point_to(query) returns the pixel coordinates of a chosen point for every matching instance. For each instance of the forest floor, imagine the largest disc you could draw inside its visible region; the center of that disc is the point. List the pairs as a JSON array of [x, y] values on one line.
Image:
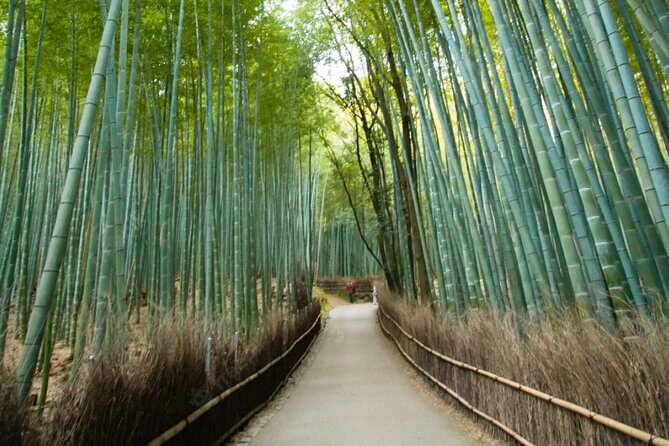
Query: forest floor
[[336, 301], [355, 388], [61, 359]]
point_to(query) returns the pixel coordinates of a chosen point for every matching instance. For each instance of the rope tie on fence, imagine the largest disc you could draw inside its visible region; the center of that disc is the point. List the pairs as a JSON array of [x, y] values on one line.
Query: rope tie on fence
[[602, 420]]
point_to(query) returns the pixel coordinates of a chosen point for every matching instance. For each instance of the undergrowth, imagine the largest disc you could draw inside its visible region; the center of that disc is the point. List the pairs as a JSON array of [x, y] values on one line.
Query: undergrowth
[[624, 376], [126, 398], [14, 420], [322, 298]]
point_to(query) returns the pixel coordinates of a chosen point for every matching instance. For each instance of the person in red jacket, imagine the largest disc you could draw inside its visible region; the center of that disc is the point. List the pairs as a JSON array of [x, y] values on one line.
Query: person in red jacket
[[350, 288]]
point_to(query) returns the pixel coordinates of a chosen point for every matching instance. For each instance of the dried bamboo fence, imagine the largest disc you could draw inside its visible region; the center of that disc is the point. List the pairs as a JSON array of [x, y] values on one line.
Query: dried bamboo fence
[[599, 419], [215, 421]]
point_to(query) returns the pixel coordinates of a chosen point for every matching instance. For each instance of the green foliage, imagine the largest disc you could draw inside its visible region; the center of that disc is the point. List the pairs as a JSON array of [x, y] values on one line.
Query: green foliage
[[529, 196], [201, 151], [319, 295]]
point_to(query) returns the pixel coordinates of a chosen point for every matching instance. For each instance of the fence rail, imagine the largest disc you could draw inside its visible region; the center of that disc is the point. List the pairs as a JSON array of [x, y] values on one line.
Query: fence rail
[[602, 420], [235, 406], [339, 285]]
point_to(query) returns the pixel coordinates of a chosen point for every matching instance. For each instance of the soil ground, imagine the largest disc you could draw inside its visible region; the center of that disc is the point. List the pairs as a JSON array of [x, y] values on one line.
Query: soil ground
[[336, 301], [61, 358], [355, 388]]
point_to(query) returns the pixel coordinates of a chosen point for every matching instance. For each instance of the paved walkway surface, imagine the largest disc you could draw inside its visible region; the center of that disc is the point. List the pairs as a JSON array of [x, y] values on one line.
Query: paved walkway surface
[[354, 388]]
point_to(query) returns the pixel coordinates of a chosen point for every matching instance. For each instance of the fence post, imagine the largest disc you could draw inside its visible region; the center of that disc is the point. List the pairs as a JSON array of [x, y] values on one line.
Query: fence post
[[235, 346], [207, 367]]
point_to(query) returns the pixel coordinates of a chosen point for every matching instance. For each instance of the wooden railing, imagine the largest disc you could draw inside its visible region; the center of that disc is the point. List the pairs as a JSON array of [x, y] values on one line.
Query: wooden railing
[[330, 285]]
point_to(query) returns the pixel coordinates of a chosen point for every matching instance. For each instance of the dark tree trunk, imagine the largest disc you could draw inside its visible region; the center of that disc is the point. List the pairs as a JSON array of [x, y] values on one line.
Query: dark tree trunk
[[417, 261]]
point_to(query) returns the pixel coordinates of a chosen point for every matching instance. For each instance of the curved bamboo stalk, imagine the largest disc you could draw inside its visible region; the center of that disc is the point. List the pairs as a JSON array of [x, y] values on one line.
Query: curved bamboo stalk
[[57, 245]]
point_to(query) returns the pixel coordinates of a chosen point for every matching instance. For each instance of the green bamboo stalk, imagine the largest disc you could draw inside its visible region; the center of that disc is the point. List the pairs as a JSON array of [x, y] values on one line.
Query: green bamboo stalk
[[56, 250], [167, 198], [15, 19]]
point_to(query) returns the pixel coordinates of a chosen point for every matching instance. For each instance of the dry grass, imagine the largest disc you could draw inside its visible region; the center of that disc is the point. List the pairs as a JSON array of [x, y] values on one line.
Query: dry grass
[[127, 399], [130, 398], [623, 376], [14, 420]]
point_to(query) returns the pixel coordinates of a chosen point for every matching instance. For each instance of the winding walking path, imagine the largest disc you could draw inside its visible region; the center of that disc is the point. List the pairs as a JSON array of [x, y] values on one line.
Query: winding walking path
[[355, 389]]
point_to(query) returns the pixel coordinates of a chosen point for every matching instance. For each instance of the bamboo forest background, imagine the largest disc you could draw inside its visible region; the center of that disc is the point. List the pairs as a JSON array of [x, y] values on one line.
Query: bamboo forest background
[[528, 147], [193, 159], [194, 185]]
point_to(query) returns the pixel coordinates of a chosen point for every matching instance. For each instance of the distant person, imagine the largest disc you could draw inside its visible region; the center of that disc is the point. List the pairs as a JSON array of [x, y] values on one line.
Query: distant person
[[350, 288], [375, 296]]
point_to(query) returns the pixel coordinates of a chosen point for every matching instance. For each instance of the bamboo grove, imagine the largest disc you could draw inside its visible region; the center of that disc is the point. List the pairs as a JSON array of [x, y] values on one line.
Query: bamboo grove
[[163, 159], [516, 151], [183, 183]]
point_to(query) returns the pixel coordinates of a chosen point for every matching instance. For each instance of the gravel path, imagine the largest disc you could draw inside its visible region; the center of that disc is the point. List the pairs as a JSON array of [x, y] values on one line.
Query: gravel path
[[355, 389]]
